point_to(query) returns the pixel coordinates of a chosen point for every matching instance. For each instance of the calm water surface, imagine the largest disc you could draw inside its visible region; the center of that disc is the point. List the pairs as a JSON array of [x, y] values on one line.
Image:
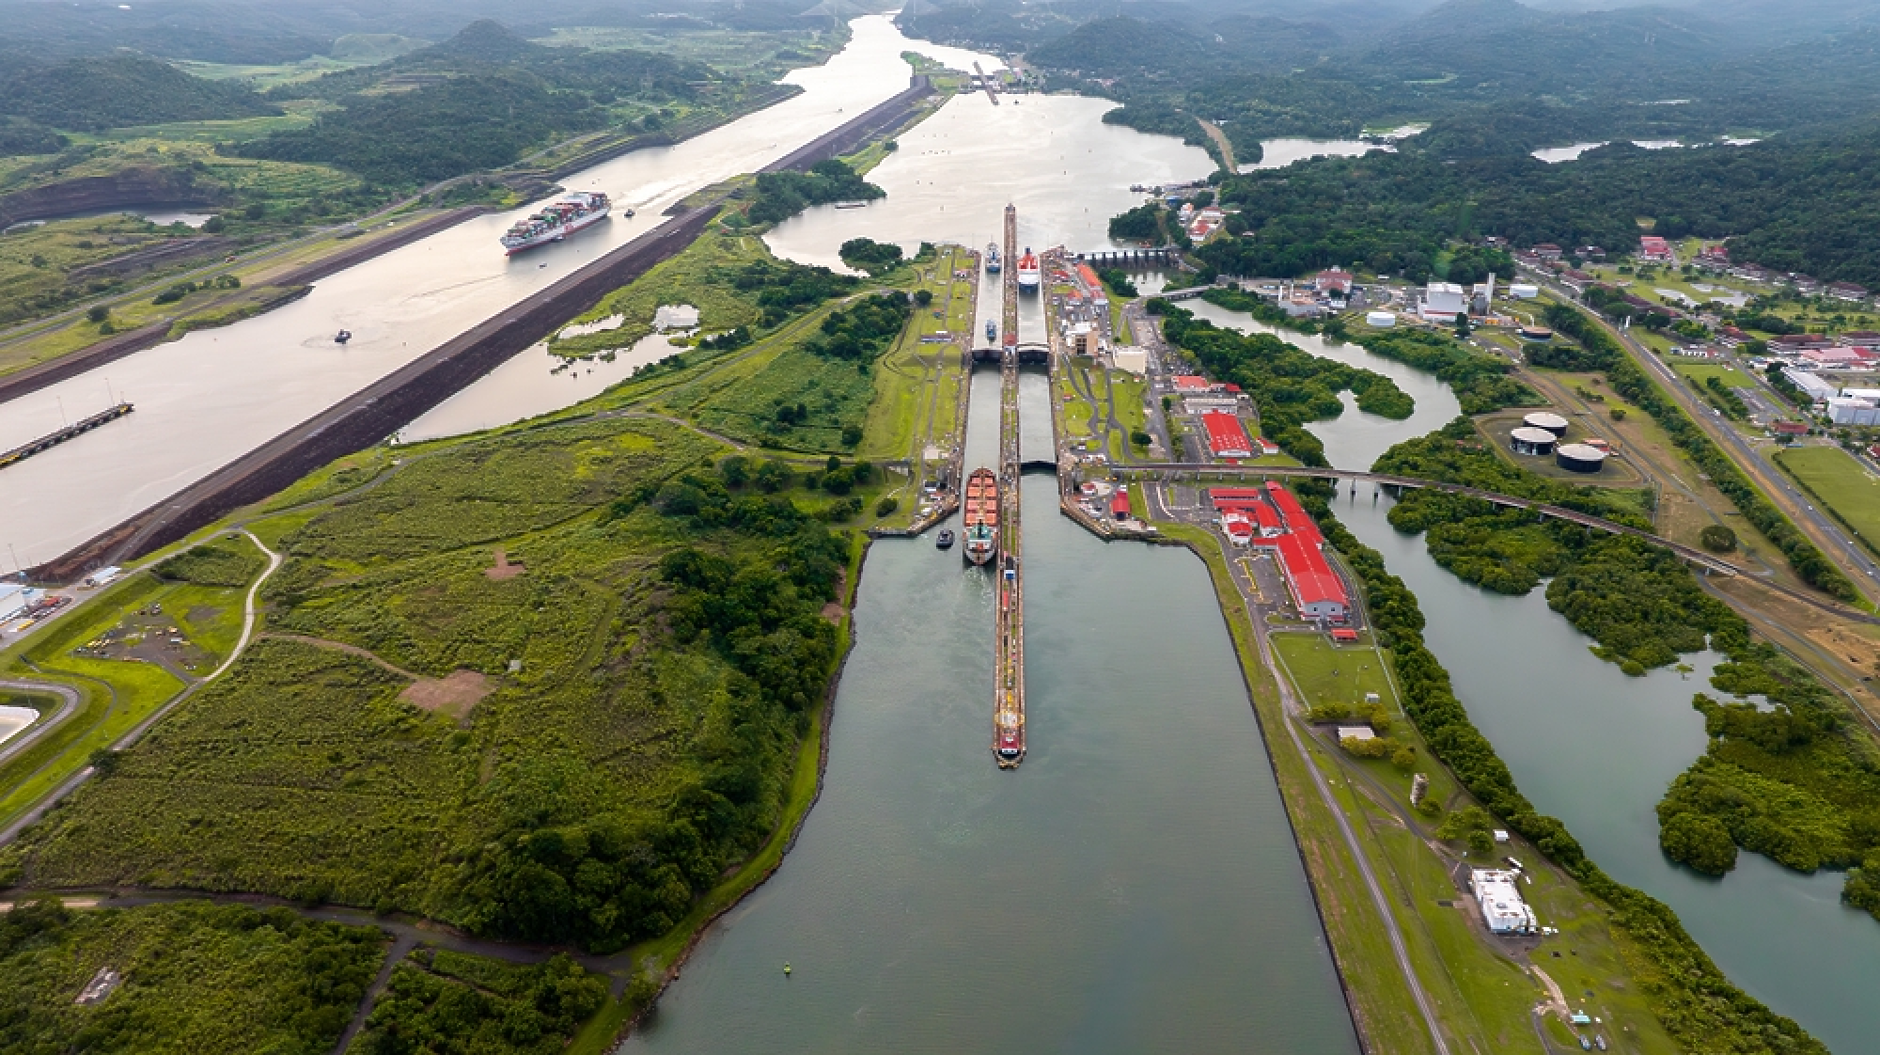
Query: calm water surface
[[1132, 887], [212, 396], [1598, 749]]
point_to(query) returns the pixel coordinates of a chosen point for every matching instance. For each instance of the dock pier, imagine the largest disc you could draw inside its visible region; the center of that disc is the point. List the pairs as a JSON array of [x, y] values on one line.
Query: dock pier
[[1008, 704], [53, 439]]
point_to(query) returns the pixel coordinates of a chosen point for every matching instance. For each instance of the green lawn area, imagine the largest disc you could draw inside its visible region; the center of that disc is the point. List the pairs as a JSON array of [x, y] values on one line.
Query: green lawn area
[[1700, 372], [118, 689], [1840, 482]]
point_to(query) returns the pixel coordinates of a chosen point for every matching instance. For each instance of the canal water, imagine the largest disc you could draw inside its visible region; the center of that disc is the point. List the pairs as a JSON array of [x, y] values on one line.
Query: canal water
[[212, 396], [1598, 749], [1132, 887]]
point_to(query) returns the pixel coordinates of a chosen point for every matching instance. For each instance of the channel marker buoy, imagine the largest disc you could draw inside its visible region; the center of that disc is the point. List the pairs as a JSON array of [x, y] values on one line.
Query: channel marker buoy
[[786, 968]]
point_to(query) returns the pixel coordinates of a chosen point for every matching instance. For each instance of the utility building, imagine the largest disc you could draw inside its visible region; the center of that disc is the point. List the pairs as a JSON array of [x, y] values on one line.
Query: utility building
[[1498, 893]]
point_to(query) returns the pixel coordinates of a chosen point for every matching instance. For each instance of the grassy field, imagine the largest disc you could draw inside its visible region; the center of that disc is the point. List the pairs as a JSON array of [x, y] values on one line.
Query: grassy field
[[698, 276], [1481, 983], [1839, 481], [1700, 372], [917, 385], [198, 979], [121, 652], [419, 697]]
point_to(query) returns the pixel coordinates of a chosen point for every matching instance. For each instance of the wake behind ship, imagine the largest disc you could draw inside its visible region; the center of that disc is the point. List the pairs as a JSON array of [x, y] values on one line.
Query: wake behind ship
[[981, 508], [556, 221]]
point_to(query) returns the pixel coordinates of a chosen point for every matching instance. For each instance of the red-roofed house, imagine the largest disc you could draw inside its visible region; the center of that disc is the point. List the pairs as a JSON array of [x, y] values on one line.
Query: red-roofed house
[[1191, 383], [1652, 247], [1119, 504], [1226, 435], [1334, 281]]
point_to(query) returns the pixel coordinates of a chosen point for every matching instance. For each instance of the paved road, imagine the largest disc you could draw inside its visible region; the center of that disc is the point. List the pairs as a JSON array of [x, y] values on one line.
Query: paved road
[[1290, 704], [1822, 529], [32, 816], [69, 700]]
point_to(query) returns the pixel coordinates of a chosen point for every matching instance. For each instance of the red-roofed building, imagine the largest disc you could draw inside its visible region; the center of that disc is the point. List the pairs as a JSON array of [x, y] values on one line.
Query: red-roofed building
[[1317, 590], [1226, 435], [1191, 383], [1119, 504], [1652, 247], [1238, 527], [1334, 281]]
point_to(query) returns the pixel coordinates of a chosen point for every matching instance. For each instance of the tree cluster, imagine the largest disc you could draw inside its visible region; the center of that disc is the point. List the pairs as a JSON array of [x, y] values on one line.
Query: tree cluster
[[781, 195], [863, 330], [1599, 350], [1289, 386]]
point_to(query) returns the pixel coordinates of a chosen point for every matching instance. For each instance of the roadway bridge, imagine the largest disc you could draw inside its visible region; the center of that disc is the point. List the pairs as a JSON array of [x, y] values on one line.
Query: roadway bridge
[[1132, 258], [1225, 472], [1184, 294]]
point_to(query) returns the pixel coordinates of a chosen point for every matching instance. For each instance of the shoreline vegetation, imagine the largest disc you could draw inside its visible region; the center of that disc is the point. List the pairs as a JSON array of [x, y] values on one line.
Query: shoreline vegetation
[[1703, 1009], [1733, 795], [704, 543], [267, 180]]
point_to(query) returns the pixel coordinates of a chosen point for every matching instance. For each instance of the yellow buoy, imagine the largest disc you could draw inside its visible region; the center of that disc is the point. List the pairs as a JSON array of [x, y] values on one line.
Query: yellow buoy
[[786, 968]]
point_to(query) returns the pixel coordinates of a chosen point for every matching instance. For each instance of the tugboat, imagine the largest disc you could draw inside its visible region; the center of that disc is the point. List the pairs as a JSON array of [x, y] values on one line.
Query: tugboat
[[342, 337], [982, 515], [992, 258], [945, 541]]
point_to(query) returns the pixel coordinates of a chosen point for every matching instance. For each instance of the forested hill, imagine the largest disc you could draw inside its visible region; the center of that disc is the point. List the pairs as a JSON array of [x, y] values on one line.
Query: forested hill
[[486, 46], [1799, 203], [86, 95], [478, 100]]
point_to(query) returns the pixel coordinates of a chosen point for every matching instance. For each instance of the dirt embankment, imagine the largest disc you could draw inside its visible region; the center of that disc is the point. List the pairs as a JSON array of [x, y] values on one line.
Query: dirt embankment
[[34, 378], [380, 409], [129, 188]]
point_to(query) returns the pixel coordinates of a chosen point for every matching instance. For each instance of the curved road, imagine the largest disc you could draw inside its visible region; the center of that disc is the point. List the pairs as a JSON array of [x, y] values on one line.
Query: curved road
[[30, 817], [1817, 525], [68, 696], [1289, 704]]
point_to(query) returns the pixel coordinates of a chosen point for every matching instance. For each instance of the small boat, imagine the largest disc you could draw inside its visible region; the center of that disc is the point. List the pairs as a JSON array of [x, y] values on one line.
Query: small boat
[[992, 259], [945, 541], [629, 214], [851, 205], [342, 337]]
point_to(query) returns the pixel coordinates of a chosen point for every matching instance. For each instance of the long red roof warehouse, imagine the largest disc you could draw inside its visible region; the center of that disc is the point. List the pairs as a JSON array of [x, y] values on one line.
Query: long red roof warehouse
[[1226, 435]]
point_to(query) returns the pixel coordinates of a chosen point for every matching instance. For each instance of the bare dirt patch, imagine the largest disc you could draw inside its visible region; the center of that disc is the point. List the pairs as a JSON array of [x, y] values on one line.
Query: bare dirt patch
[[453, 694], [504, 569]]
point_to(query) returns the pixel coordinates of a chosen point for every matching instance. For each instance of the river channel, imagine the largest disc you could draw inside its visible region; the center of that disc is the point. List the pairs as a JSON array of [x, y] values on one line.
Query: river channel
[[1597, 749], [216, 394]]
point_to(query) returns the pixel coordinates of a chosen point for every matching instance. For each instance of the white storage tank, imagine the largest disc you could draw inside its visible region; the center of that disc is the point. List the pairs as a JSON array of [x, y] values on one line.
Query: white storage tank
[[1526, 440], [1579, 458], [1383, 320], [1542, 419]]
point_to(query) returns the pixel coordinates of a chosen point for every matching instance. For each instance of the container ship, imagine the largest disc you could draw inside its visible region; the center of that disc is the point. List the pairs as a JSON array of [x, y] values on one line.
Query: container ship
[[556, 221], [1028, 270], [992, 259], [982, 516]]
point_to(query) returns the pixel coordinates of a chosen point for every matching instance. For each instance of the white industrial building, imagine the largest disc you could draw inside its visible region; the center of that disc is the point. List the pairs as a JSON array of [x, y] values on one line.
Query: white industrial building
[[1852, 410], [1443, 300], [13, 600], [1498, 891], [1811, 384]]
